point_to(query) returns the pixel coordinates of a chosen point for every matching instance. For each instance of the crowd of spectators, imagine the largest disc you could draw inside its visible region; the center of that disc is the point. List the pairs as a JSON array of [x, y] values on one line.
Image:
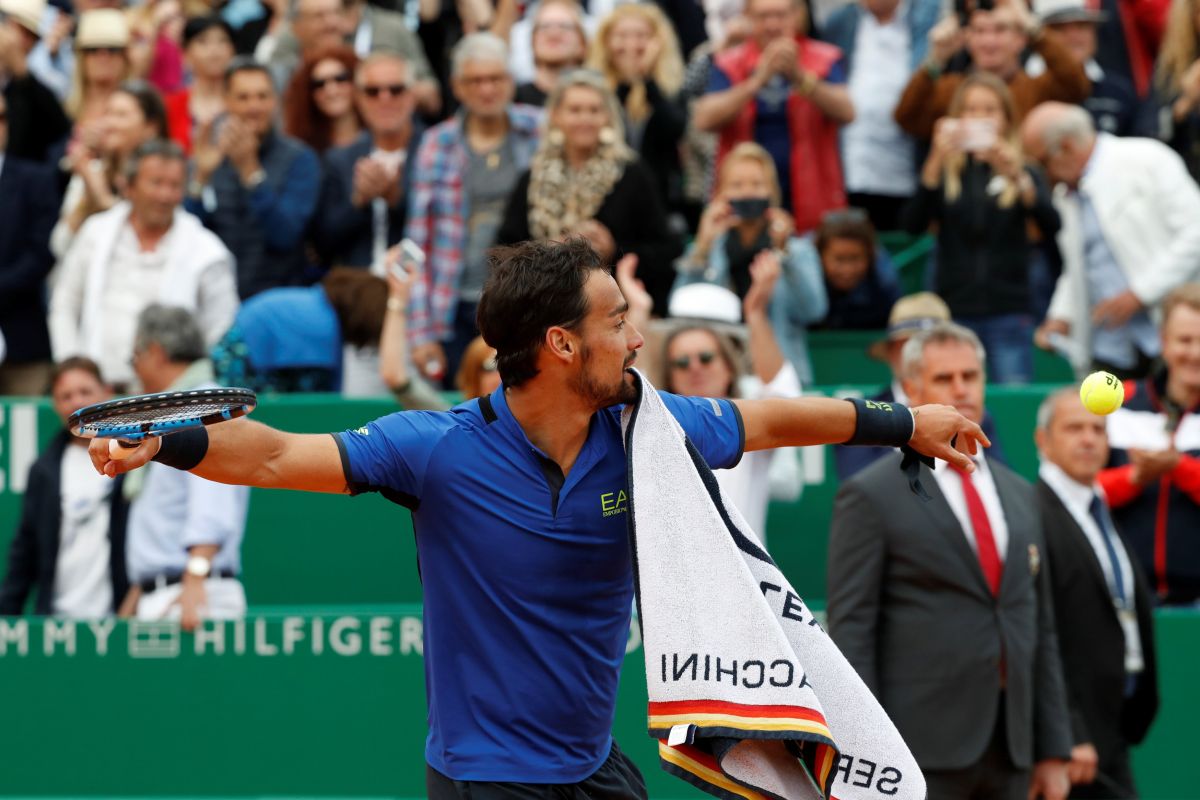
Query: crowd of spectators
[[253, 167], [315, 135]]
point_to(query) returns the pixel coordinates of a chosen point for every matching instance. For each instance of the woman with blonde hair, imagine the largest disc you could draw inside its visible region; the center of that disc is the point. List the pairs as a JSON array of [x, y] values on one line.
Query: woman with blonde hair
[[102, 63], [1177, 82], [637, 52], [743, 225], [584, 180], [982, 196]]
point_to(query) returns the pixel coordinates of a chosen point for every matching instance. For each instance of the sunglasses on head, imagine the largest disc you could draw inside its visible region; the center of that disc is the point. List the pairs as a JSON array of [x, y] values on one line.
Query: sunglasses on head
[[321, 83], [392, 89], [705, 358], [112, 51]]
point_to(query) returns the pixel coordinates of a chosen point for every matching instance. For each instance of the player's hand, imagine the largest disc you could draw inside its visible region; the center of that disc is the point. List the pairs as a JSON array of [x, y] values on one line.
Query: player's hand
[[935, 427], [102, 456], [1082, 766], [1049, 780], [191, 600]]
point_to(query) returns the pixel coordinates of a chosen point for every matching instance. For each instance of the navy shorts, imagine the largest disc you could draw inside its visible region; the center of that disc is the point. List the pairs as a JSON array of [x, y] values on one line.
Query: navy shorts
[[617, 779]]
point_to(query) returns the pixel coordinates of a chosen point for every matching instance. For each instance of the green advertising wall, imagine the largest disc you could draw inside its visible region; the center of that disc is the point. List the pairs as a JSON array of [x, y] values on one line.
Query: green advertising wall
[[297, 703]]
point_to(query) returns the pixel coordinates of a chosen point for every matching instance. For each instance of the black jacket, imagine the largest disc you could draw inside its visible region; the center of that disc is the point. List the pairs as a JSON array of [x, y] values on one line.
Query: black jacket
[[25, 257], [37, 123], [633, 215], [983, 249], [1091, 641], [33, 555], [659, 142]]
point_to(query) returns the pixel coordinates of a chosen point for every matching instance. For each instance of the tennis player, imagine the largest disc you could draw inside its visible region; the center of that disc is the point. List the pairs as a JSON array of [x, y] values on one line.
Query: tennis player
[[519, 506]]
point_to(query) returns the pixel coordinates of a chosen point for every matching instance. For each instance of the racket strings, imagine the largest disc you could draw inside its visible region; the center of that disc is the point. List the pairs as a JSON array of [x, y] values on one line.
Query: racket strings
[[139, 416]]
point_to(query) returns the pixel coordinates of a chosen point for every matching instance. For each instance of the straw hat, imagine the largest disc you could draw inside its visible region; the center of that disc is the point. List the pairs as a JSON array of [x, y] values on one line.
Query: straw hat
[[102, 27], [26, 13], [910, 314]]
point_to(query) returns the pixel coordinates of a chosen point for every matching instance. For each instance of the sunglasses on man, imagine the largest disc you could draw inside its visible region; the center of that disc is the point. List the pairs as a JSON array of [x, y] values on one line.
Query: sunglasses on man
[[391, 89]]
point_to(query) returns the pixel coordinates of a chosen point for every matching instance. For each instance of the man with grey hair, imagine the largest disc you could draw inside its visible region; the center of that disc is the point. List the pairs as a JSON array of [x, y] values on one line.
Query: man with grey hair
[[943, 606], [144, 249], [364, 193], [1128, 237], [466, 168], [183, 545], [1102, 602]]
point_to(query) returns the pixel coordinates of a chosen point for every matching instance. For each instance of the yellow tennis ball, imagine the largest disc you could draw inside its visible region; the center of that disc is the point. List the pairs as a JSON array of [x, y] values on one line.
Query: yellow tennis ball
[[1102, 393]]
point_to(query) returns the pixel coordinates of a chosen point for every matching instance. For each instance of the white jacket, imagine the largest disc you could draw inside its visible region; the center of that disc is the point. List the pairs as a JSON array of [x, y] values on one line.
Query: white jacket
[[199, 277], [1149, 209]]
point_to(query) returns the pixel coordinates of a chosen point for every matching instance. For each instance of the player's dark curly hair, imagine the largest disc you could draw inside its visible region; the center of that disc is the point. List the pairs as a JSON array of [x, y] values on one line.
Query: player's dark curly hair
[[532, 287]]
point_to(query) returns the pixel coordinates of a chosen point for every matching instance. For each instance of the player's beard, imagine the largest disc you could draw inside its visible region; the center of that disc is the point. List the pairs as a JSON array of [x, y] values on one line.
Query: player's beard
[[600, 393]]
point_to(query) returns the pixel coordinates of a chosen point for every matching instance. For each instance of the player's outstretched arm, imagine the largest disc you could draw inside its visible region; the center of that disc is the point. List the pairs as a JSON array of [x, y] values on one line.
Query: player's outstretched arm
[[248, 453], [776, 422]]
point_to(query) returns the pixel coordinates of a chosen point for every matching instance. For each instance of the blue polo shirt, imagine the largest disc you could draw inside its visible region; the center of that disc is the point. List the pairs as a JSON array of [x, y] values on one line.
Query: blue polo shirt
[[527, 577]]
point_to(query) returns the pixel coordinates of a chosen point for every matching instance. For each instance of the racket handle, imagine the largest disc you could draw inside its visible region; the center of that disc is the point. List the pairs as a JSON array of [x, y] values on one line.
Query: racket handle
[[119, 449]]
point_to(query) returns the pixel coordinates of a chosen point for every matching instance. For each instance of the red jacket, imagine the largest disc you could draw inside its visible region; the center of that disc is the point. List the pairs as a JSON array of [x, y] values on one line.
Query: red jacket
[[816, 179]]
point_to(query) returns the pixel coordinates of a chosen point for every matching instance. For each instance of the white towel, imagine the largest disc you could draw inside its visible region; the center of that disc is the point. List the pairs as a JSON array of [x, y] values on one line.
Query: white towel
[[749, 697]]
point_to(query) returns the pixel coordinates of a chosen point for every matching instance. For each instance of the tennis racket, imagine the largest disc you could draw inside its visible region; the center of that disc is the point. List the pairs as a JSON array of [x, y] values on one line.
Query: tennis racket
[[130, 420]]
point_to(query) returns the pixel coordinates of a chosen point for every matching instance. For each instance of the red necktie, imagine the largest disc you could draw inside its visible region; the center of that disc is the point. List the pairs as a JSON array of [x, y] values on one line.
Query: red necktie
[[985, 543]]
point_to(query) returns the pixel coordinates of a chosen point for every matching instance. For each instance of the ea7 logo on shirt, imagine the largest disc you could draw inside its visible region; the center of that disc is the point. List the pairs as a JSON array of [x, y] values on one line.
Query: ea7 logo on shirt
[[613, 503]]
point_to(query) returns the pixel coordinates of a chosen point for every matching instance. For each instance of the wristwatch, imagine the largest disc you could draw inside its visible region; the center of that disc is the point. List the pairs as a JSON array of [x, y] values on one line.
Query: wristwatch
[[198, 566]]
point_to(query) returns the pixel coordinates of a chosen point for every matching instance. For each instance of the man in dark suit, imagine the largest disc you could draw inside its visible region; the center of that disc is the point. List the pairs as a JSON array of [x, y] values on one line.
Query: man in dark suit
[[944, 606], [364, 193], [1101, 601], [70, 541], [31, 209]]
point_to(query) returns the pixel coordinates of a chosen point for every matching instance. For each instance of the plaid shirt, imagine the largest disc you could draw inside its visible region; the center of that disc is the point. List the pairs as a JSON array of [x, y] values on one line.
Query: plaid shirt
[[437, 216]]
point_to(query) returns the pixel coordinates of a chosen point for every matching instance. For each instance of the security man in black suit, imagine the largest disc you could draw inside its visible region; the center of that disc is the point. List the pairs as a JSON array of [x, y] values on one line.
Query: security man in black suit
[[943, 606], [1101, 601]]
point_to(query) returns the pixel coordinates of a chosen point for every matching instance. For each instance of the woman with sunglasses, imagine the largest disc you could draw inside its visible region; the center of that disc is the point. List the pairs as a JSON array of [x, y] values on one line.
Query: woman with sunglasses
[[318, 105], [700, 360], [743, 221], [207, 52]]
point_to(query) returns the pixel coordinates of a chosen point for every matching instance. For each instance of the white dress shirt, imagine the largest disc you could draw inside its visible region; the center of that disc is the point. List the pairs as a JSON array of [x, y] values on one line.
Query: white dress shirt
[[951, 485], [878, 157]]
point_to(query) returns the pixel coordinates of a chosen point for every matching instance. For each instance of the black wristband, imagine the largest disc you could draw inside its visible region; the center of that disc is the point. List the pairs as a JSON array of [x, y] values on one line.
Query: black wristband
[[881, 424], [183, 450]]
